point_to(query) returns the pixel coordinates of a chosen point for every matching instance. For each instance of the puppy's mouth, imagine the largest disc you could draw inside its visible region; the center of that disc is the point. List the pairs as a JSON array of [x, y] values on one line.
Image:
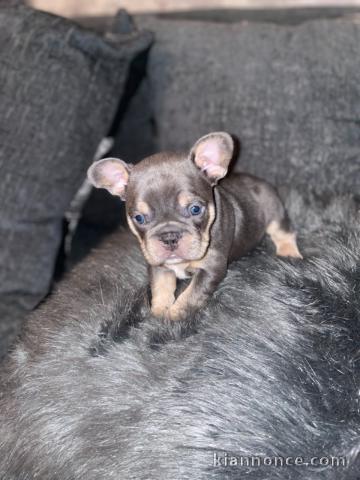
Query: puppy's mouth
[[172, 246], [173, 259]]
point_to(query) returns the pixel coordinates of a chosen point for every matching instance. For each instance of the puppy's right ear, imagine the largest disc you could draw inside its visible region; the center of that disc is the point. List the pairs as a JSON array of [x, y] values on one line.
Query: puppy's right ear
[[112, 174], [212, 155]]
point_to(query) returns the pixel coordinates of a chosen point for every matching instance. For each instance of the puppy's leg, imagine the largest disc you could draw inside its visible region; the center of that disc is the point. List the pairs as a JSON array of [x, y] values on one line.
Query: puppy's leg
[[283, 238], [163, 286], [278, 225], [203, 284]]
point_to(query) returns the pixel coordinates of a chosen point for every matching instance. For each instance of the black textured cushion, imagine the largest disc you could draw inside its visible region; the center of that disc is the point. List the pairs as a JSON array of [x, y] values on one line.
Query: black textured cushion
[[59, 89], [291, 93]]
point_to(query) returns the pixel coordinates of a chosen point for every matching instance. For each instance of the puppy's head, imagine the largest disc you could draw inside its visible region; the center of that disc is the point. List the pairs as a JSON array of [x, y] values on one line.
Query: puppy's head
[[169, 197]]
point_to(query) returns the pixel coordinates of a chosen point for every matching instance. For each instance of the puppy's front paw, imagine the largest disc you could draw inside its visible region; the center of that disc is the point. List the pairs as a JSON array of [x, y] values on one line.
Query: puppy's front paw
[[160, 310], [177, 311]]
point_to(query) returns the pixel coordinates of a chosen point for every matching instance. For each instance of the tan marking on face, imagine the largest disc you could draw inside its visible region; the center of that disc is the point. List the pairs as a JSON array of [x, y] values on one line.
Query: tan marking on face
[[285, 242], [205, 240], [189, 246], [212, 214], [141, 241], [163, 286], [133, 229], [184, 199], [143, 207]]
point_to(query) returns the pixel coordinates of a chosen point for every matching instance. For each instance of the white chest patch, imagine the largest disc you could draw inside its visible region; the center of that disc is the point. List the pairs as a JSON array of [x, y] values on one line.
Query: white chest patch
[[179, 269]]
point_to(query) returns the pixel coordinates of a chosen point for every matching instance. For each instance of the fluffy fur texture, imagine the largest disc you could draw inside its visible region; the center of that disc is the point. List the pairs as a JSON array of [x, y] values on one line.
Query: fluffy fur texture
[[97, 388]]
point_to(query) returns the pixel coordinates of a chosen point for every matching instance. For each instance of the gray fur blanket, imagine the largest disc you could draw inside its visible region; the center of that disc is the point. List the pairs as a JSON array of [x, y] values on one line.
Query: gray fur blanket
[[267, 373]]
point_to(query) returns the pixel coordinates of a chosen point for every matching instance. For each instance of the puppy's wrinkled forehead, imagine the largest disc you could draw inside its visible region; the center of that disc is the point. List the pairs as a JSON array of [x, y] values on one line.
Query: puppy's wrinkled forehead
[[164, 179]]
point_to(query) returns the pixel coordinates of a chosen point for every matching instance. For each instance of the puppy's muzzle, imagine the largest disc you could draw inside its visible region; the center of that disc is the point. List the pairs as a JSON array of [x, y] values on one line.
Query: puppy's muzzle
[[170, 239]]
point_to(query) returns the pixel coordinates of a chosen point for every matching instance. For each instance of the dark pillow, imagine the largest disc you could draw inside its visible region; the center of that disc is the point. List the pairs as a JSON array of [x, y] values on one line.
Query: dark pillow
[[291, 93], [59, 90]]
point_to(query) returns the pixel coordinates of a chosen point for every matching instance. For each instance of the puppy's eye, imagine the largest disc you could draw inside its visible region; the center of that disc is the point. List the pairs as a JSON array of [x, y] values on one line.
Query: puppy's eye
[[140, 219], [195, 209]]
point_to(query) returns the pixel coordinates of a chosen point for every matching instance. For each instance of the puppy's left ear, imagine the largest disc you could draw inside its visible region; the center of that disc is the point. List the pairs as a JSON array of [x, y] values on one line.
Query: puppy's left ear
[[212, 155]]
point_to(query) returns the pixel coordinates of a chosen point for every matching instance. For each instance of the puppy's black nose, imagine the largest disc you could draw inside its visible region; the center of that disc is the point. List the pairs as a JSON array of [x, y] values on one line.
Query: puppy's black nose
[[170, 239]]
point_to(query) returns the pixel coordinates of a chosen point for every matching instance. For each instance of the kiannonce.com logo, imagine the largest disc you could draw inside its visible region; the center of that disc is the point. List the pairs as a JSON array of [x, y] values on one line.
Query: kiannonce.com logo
[[225, 459]]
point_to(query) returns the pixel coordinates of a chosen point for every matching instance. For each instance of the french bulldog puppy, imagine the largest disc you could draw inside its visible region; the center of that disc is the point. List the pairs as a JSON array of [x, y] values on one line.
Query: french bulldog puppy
[[191, 221]]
